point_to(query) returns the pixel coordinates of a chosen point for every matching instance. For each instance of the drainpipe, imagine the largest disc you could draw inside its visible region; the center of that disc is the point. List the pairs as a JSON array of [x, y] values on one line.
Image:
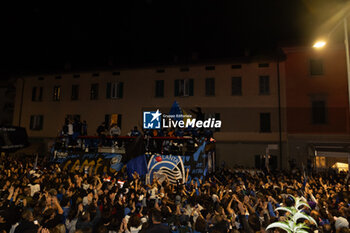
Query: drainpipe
[[279, 108], [21, 105]]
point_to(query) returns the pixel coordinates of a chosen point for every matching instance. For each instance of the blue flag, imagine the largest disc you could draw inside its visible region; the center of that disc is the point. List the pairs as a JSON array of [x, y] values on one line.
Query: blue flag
[[200, 150], [137, 164], [176, 111]]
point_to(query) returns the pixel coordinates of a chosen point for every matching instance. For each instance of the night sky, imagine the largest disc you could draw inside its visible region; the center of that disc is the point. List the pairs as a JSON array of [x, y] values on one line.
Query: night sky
[[43, 38]]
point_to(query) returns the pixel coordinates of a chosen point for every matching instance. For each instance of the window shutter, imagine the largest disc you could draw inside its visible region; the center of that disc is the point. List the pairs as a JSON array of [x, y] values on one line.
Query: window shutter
[[176, 89], [31, 122], [265, 122], [162, 88], [268, 84], [41, 121], [108, 91], [207, 86], [34, 94], [159, 88], [40, 98], [191, 83], [120, 89], [217, 117]]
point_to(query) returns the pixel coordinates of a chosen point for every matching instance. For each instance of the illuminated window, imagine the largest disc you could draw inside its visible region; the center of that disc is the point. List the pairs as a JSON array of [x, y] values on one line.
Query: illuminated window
[[57, 93]]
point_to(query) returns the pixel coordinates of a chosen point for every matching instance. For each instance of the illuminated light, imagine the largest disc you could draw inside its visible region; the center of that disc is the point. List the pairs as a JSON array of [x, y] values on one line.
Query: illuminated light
[[319, 44], [341, 167]]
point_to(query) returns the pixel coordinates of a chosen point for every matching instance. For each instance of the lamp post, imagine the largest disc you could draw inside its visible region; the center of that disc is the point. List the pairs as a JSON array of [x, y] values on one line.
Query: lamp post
[[322, 43], [346, 42]]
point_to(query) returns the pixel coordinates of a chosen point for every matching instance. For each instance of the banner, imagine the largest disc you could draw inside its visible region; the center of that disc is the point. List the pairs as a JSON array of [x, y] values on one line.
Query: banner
[[96, 162], [175, 166], [171, 166], [12, 138], [137, 164], [155, 165]]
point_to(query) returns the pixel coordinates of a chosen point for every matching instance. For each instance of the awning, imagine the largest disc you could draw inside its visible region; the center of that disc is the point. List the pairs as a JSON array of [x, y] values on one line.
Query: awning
[[331, 150], [34, 148]]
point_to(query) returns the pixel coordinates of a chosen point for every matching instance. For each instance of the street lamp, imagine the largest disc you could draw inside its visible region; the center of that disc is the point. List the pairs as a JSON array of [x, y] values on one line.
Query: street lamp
[[319, 44]]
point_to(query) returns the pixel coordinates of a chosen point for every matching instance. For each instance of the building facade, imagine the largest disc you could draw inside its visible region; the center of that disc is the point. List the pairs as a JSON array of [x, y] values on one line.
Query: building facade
[[7, 99], [243, 95], [317, 103]]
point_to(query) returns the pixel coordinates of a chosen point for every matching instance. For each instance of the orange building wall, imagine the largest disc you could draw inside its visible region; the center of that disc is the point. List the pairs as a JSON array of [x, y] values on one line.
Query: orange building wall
[[301, 85]]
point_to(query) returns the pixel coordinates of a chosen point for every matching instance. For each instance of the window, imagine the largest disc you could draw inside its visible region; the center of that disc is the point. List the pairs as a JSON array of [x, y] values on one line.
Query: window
[[263, 65], [34, 94], [184, 87], [58, 77], [37, 93], [210, 67], [76, 75], [217, 117], [116, 73], [56, 93], [115, 90], [113, 119], [265, 123], [159, 88], [95, 74], [210, 86], [236, 86], [264, 85], [107, 119], [75, 92], [319, 112], [316, 67], [73, 117], [236, 66], [94, 91], [260, 161], [184, 69], [36, 122]]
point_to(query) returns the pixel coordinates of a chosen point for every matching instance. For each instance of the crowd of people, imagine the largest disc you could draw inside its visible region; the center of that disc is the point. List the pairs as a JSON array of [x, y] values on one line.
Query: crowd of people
[[39, 197]]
